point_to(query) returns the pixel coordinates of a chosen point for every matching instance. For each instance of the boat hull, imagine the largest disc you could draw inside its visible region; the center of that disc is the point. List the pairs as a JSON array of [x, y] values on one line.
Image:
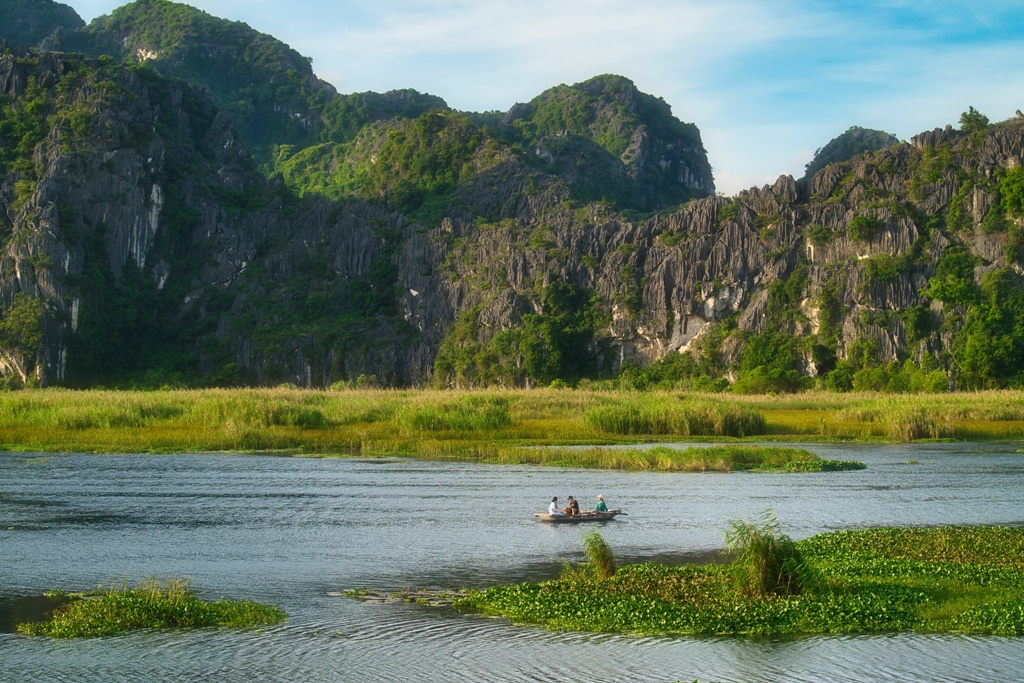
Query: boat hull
[[588, 516]]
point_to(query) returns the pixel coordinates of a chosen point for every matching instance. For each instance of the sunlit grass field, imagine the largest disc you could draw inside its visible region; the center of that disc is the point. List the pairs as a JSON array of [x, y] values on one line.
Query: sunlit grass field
[[477, 425]]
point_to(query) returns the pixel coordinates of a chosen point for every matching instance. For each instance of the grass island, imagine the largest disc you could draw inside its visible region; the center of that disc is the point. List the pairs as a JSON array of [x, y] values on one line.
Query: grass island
[[886, 580], [152, 604]]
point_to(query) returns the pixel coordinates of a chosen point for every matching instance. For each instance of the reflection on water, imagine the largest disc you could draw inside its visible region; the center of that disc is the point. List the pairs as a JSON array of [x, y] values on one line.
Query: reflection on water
[[290, 531]]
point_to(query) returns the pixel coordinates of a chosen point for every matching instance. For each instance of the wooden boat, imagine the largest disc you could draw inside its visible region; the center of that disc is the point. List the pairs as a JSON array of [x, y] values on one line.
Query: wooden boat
[[584, 516]]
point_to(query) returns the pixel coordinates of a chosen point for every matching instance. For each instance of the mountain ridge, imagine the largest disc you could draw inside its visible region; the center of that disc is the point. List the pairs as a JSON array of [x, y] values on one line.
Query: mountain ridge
[[575, 238]]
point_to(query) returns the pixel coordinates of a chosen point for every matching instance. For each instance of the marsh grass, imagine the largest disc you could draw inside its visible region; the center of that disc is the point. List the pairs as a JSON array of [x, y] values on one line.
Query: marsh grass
[[474, 425], [935, 580], [727, 458], [472, 413], [152, 604], [599, 555], [765, 560], [677, 418]]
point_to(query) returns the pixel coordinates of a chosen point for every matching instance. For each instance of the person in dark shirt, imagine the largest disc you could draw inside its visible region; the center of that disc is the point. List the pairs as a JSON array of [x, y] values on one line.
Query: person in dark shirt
[[573, 508]]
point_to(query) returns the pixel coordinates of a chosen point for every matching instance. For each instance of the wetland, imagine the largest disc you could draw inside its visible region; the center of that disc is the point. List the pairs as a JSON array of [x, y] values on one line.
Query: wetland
[[293, 532]]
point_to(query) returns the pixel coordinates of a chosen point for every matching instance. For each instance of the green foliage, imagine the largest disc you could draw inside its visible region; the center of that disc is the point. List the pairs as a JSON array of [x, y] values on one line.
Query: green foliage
[[420, 161], [865, 228], [727, 213], [26, 23], [554, 344], [885, 268], [920, 322], [989, 351], [599, 555], [973, 121], [854, 142], [959, 217], [346, 115], [732, 458], [667, 417], [819, 235], [674, 371], [153, 604], [953, 282], [473, 413], [937, 163], [894, 378], [269, 87], [766, 561], [967, 579], [1011, 191], [830, 312], [606, 109], [769, 365], [21, 326], [785, 296]]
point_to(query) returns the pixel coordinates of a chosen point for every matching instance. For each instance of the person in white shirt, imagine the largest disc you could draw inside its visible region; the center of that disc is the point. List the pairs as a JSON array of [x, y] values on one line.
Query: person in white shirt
[[553, 508]]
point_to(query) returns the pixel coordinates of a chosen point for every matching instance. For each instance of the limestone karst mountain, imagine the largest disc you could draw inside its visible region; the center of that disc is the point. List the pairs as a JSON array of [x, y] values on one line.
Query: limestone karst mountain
[[193, 206]]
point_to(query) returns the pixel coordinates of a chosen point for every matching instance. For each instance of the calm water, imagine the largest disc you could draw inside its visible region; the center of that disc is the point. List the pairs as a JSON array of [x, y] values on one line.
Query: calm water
[[290, 531]]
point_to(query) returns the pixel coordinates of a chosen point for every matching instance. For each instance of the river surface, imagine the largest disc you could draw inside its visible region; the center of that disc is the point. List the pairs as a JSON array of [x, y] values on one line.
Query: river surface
[[292, 531]]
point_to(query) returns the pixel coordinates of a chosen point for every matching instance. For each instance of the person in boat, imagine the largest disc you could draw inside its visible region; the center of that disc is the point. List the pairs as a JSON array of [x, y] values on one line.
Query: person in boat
[[553, 508], [573, 508], [600, 507]]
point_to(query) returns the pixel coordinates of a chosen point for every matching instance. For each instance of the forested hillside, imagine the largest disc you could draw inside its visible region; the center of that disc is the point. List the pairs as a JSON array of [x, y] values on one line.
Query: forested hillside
[[183, 202]]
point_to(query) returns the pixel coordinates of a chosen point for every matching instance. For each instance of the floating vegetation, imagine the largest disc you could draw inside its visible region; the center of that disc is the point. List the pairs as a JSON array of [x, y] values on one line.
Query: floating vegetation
[[153, 604], [936, 580], [428, 598]]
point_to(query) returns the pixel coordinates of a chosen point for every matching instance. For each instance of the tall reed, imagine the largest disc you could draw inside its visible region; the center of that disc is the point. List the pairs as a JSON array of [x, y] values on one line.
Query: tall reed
[[676, 418], [766, 561], [599, 555]]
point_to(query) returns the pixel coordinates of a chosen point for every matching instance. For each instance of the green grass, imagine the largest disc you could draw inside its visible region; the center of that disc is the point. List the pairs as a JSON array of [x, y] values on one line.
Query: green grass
[[153, 604], [937, 580], [491, 425], [767, 562], [728, 458], [599, 555]]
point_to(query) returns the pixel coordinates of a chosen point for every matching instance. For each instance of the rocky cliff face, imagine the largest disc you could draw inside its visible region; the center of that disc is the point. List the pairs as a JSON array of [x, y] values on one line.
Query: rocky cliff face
[[467, 251]]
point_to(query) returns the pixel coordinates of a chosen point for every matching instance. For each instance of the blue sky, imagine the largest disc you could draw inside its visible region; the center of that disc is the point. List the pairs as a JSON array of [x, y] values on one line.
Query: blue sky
[[767, 81]]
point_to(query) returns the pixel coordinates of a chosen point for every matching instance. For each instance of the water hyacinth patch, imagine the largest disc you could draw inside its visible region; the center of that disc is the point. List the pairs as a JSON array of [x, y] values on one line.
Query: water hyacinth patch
[[949, 579], [153, 604]]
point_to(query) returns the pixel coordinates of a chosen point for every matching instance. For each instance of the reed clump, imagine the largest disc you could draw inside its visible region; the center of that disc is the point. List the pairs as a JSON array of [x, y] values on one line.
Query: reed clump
[[676, 418], [599, 555], [153, 603], [472, 413], [766, 561]]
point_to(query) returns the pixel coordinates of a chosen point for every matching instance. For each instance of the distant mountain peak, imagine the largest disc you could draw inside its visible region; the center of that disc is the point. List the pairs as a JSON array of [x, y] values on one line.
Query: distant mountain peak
[[26, 23]]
